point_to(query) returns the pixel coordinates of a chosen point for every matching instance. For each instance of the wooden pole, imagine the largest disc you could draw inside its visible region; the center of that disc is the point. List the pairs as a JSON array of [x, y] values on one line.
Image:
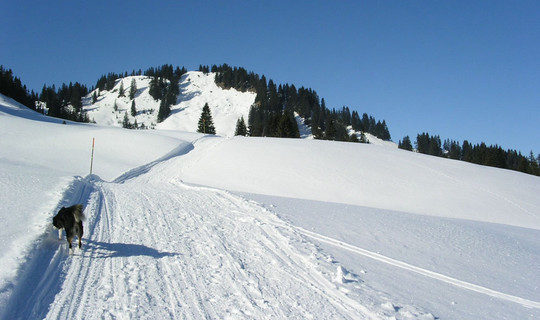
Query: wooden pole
[[92, 158]]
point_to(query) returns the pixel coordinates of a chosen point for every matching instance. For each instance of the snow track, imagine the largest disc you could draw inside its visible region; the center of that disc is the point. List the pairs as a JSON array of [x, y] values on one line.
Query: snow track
[[400, 264], [168, 250]]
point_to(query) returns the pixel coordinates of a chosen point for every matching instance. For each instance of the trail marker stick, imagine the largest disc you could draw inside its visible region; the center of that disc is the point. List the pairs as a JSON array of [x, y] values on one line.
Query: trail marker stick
[[92, 158]]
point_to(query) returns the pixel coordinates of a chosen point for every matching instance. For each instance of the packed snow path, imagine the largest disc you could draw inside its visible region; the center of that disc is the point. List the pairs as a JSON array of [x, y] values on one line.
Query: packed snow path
[[167, 250]]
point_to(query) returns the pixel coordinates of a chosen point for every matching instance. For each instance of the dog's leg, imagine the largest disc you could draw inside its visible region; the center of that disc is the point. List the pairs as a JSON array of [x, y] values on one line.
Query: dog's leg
[[59, 234], [69, 239], [80, 244]]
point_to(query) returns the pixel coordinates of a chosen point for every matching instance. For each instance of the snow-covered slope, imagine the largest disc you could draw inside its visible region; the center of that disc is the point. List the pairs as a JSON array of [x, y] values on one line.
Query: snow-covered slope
[[368, 175], [196, 89], [182, 225]]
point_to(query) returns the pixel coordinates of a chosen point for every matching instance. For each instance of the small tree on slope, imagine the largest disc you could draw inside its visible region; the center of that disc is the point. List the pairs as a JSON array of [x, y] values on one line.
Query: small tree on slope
[[241, 129], [206, 124]]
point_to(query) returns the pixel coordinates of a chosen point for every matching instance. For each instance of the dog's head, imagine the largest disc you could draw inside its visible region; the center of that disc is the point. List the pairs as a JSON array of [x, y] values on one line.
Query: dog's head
[[58, 220]]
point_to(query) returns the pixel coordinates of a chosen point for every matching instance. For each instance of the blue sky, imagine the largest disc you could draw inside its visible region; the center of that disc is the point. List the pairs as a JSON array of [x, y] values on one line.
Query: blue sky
[[459, 69]]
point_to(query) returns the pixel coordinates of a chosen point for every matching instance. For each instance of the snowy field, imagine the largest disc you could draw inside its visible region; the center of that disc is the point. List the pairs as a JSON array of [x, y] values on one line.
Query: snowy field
[[185, 226]]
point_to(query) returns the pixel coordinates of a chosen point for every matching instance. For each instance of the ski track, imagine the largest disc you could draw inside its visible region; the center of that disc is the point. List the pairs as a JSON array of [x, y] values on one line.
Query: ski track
[[156, 248], [174, 251], [453, 281]]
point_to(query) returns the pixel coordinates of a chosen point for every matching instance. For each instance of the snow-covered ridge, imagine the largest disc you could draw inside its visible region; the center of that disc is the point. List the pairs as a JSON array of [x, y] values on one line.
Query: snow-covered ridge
[[196, 89]]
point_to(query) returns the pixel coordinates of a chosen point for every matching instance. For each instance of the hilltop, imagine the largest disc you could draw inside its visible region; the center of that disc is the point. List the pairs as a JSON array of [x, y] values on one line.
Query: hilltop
[[196, 89]]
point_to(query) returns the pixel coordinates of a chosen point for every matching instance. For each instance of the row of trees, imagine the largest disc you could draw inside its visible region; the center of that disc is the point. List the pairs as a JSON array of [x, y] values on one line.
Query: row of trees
[[167, 71], [66, 102], [273, 113], [482, 154], [164, 86], [12, 86]]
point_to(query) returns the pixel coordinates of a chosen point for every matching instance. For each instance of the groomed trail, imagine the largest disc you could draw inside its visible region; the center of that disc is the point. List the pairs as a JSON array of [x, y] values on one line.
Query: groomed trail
[[157, 248]]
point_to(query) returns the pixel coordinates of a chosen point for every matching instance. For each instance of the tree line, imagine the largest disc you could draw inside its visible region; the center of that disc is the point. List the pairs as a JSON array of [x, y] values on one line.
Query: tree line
[[493, 155], [11, 86], [273, 113]]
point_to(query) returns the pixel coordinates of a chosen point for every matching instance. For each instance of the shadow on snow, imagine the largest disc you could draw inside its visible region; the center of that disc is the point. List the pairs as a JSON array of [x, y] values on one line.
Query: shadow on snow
[[98, 249]]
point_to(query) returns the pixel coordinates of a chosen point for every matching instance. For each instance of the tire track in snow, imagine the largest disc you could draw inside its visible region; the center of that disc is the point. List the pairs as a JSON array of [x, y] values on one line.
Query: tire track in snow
[[431, 274]]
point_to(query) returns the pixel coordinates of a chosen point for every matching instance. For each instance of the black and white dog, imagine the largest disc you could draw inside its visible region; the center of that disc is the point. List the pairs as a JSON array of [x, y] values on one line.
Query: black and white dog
[[70, 219]]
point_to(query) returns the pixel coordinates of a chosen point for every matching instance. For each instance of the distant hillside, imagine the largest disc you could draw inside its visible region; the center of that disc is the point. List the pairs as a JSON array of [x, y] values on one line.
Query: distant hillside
[[196, 89], [172, 99]]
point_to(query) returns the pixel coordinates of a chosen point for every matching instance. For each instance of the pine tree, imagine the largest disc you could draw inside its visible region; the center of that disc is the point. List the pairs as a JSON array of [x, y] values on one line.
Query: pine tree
[[94, 97], [405, 144], [133, 89], [125, 123], [255, 121], [133, 109], [155, 88], [75, 98], [164, 110], [206, 124], [121, 91], [241, 129], [287, 126]]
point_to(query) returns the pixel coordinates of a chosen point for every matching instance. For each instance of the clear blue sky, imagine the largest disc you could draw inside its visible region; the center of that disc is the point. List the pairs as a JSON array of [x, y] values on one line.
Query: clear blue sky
[[459, 69]]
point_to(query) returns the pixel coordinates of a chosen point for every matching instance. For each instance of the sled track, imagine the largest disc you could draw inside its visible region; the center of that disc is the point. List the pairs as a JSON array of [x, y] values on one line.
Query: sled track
[[434, 275]]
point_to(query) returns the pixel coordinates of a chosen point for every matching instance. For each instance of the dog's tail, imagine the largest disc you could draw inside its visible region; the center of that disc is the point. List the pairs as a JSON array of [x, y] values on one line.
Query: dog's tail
[[78, 213]]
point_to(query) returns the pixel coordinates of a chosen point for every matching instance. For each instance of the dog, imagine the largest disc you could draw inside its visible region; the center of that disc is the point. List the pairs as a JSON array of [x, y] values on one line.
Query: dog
[[71, 220]]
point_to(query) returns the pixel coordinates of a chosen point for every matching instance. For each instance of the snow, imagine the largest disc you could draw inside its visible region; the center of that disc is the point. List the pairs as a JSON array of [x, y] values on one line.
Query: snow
[[196, 89], [183, 225]]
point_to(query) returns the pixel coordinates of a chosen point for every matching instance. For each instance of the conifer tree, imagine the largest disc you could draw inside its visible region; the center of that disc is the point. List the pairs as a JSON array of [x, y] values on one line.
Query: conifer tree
[[133, 109], [155, 88], [241, 129], [287, 126], [121, 91], [133, 89], [75, 98], [206, 123], [405, 144], [164, 110], [125, 123]]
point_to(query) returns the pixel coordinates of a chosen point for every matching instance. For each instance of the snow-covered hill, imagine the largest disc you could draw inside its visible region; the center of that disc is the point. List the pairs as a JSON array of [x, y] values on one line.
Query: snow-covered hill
[[182, 225], [196, 89]]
